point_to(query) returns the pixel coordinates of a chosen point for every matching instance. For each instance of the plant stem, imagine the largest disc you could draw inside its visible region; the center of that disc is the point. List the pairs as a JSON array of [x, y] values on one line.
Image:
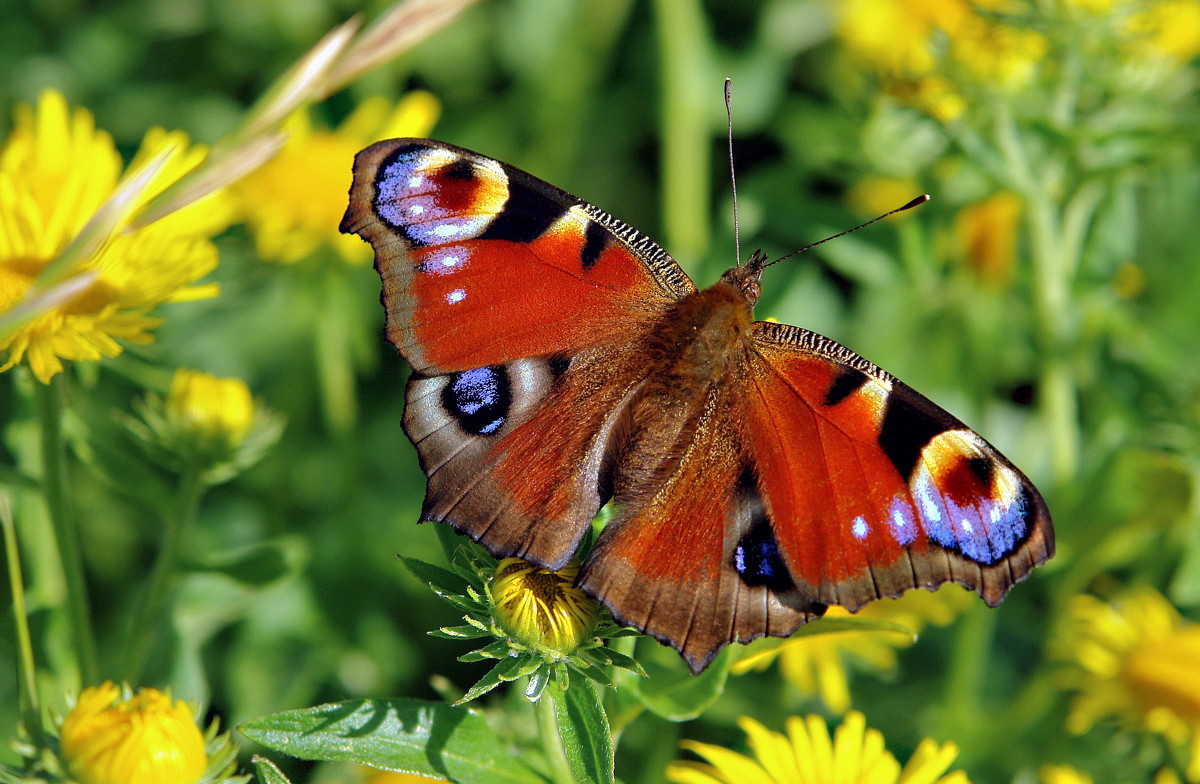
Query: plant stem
[[31, 709], [683, 65], [331, 343], [50, 402], [191, 488], [556, 756], [967, 670]]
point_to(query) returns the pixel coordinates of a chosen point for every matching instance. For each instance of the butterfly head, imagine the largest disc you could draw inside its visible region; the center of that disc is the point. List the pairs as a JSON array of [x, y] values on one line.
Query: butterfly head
[[745, 277]]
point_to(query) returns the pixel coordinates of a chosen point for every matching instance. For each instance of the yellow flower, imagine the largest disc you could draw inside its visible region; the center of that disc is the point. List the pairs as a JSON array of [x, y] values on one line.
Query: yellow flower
[[1062, 774], [807, 755], [146, 738], [218, 411], [998, 55], [935, 95], [987, 236], [293, 204], [542, 609], [898, 37], [1170, 29], [56, 170], [1137, 660], [816, 664], [873, 196]]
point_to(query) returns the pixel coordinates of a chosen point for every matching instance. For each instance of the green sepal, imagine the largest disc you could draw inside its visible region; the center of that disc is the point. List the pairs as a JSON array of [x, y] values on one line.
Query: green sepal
[[267, 772]]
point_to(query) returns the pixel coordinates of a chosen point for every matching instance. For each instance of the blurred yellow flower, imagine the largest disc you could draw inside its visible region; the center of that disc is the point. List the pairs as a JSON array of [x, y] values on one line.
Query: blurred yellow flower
[[1170, 28], [542, 609], [293, 203], [873, 196], [146, 738], [986, 234], [1135, 659], [1062, 774], [817, 664], [56, 170], [997, 54], [210, 409], [807, 755], [896, 37], [206, 424]]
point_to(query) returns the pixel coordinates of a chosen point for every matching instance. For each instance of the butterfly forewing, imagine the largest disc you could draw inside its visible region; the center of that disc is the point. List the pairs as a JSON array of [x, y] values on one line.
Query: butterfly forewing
[[482, 264]]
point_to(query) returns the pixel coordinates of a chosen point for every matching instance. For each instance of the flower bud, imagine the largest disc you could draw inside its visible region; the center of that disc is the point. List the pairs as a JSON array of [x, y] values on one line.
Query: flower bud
[[146, 738]]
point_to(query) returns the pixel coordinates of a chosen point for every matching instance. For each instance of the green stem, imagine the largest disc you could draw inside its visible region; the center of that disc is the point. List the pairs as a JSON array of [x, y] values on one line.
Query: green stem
[[687, 91], [50, 402], [331, 342], [31, 709], [191, 489], [967, 670], [556, 756]]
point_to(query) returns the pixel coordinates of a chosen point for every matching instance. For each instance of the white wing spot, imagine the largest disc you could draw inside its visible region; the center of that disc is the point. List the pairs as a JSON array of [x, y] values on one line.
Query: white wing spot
[[456, 296], [859, 528]]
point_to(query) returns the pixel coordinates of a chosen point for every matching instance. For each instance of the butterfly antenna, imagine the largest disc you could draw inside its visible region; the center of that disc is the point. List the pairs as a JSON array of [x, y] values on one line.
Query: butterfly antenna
[[737, 241], [917, 202]]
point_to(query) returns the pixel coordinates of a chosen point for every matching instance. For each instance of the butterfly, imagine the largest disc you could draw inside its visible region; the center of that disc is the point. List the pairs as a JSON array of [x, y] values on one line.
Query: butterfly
[[760, 472]]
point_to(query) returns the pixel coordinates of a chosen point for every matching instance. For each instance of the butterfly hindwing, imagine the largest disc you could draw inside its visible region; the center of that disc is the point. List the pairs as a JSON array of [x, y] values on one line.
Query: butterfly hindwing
[[514, 452]]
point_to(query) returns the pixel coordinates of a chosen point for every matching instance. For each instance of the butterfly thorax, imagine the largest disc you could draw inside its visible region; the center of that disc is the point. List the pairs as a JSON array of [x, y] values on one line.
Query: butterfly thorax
[[697, 351]]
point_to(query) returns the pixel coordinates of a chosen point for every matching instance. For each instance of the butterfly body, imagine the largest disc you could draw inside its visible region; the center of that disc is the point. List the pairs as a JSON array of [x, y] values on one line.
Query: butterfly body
[[759, 471]]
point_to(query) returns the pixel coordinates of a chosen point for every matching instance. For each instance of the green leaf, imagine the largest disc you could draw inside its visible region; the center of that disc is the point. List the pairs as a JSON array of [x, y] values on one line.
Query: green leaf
[[672, 692], [267, 772], [584, 732], [443, 581], [260, 564], [409, 736]]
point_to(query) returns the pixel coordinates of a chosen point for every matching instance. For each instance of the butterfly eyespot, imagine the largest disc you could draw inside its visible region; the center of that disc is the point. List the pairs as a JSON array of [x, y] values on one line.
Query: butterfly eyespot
[[431, 196], [757, 559], [479, 399], [558, 365]]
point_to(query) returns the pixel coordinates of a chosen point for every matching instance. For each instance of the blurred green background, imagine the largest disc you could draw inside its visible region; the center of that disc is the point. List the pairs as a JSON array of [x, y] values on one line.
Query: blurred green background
[[294, 595]]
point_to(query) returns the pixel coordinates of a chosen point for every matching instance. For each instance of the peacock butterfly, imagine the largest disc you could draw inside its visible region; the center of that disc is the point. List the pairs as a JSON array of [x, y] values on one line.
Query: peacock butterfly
[[760, 472]]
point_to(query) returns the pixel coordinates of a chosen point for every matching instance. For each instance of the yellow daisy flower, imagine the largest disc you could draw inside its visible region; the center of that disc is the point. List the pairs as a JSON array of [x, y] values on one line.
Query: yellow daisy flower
[[817, 664], [56, 171], [293, 203], [1137, 660], [541, 608], [146, 738], [807, 755]]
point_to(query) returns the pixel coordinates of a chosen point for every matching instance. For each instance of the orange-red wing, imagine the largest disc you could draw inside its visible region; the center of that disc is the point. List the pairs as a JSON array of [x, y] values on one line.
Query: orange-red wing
[[667, 563], [871, 489], [482, 263]]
